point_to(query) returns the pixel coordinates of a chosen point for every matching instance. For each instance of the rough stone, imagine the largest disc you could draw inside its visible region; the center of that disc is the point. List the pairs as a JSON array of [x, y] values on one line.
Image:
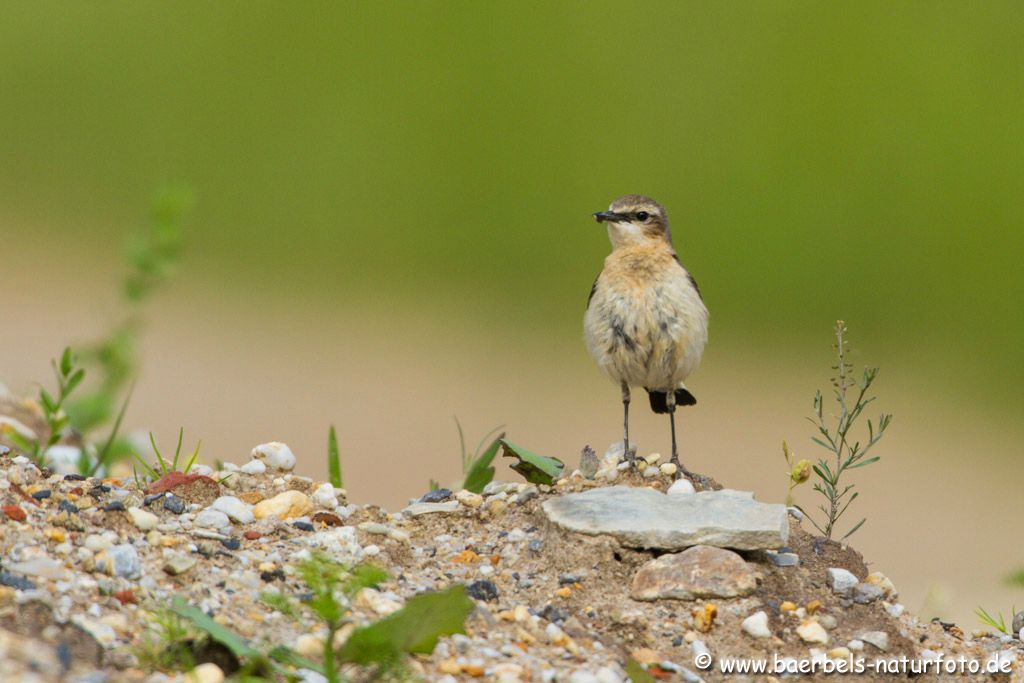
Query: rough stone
[[276, 455], [177, 564], [646, 518], [417, 509], [143, 519], [879, 639], [841, 581], [234, 508], [866, 593], [284, 505], [699, 572], [211, 519], [757, 625], [811, 631]]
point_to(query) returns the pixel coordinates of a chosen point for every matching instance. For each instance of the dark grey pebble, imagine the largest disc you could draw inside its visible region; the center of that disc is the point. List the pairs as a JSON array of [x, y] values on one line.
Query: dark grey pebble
[[174, 505], [231, 543], [677, 641], [98, 491], [114, 506], [304, 526], [152, 498], [483, 590], [276, 575], [554, 614], [436, 496], [15, 581], [42, 495], [74, 476], [780, 559], [67, 506], [568, 579]]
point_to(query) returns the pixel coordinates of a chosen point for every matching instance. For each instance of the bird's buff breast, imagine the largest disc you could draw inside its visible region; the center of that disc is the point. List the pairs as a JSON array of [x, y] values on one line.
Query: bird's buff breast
[[646, 323]]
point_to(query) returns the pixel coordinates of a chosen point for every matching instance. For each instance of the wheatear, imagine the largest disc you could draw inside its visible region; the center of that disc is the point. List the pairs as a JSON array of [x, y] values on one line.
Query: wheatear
[[646, 323]]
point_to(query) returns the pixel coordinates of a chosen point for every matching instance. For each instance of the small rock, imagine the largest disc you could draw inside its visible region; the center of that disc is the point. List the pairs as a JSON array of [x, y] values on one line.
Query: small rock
[[284, 505], [841, 581], [42, 495], [469, 499], [651, 471], [40, 567], [276, 454], [231, 543], [882, 581], [436, 496], [192, 487], [234, 508], [205, 673], [68, 507], [325, 497], [17, 582], [698, 572], [417, 509], [483, 590], [879, 639], [120, 560], [783, 559], [757, 625], [827, 621], [173, 504], [866, 593], [304, 526], [1018, 622], [114, 506], [177, 564], [144, 520], [810, 631], [669, 469], [589, 463], [253, 467], [839, 653], [211, 519], [14, 512], [855, 645]]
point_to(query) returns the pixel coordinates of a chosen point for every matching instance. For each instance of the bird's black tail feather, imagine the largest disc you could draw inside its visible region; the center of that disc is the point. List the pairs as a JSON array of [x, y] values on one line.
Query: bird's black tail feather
[[659, 402]]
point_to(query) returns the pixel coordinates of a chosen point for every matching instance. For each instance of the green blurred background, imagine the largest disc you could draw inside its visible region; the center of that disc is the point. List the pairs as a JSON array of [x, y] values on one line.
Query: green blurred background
[[393, 227]]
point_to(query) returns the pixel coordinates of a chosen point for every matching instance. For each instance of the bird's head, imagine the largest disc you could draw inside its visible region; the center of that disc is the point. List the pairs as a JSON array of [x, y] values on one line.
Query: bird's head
[[635, 220]]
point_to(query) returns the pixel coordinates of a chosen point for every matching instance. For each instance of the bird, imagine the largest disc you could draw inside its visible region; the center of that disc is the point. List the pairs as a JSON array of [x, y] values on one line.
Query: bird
[[646, 323]]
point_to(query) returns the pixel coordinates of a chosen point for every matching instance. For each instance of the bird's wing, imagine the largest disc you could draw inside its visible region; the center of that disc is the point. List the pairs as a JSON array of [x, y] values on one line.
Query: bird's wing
[[593, 289], [688, 275]]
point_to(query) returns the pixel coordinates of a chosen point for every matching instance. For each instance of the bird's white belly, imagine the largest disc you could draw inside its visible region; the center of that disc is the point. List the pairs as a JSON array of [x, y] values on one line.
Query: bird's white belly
[[651, 336]]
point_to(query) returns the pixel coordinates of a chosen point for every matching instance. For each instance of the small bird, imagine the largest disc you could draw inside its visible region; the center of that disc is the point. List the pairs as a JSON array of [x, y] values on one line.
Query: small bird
[[646, 324]]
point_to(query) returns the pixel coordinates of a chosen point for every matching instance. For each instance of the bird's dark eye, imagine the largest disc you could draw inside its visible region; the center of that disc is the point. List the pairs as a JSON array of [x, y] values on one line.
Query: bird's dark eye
[[642, 215]]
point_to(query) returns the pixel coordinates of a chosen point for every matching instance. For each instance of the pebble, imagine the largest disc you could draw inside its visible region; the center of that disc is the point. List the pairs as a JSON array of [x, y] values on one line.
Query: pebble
[[115, 506], [882, 581], [866, 593], [841, 581], [483, 590], [231, 543], [41, 567], [120, 560], [1018, 622], [855, 645], [276, 454], [234, 508], [811, 631], [417, 509], [894, 610], [879, 639], [436, 496], [42, 495], [253, 467], [173, 504], [783, 559], [651, 471], [699, 572], [469, 499], [177, 564], [303, 526], [68, 507], [669, 469], [16, 582], [285, 505], [211, 519], [757, 625], [205, 673], [325, 497], [143, 520]]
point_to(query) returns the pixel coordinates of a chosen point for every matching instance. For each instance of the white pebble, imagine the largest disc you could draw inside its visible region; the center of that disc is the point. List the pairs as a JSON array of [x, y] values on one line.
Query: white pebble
[[276, 455], [841, 581], [325, 497], [211, 519], [812, 632], [143, 519], [668, 469], [757, 625], [253, 467], [680, 487], [371, 550], [235, 508]]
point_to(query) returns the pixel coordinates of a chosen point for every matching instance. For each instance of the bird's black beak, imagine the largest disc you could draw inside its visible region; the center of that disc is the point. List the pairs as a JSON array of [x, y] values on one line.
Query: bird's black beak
[[602, 216]]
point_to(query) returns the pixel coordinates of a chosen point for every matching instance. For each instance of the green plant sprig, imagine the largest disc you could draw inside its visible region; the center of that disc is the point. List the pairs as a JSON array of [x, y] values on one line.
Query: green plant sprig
[[847, 454]]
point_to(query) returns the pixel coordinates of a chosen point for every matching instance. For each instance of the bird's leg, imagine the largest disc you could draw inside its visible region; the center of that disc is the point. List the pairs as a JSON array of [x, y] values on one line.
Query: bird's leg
[[627, 451], [670, 403]]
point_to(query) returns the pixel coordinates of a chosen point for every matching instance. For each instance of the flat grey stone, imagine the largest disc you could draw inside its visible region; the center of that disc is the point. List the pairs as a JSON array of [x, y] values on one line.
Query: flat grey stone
[[646, 518], [841, 581], [783, 559]]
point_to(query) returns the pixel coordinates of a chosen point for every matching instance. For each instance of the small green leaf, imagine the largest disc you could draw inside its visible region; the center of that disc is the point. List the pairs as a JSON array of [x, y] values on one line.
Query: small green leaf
[[481, 472], [66, 362], [221, 634], [333, 459], [73, 382], [862, 463], [49, 404], [413, 629], [637, 673], [536, 469]]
